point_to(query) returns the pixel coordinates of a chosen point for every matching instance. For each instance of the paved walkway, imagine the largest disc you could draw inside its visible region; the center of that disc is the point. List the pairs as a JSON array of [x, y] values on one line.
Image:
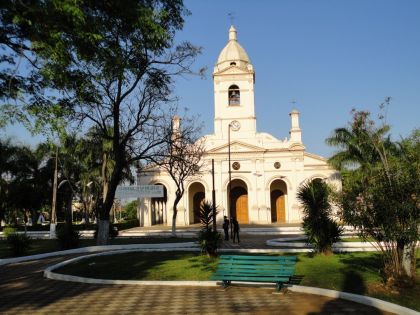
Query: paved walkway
[[23, 290], [249, 241]]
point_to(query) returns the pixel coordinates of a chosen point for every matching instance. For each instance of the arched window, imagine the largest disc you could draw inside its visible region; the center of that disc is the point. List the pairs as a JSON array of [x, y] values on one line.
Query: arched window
[[234, 95]]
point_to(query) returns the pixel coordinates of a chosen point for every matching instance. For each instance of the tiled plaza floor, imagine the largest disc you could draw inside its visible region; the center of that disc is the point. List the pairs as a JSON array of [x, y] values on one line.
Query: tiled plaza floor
[[251, 241], [23, 290]]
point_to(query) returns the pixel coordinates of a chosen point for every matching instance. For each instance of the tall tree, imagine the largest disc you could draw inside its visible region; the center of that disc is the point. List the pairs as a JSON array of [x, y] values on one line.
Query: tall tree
[[112, 63], [182, 157], [380, 193], [23, 172]]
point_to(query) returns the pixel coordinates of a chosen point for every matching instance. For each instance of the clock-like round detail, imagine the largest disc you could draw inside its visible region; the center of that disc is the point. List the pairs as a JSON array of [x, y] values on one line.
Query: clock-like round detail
[[235, 125], [277, 165], [236, 166]]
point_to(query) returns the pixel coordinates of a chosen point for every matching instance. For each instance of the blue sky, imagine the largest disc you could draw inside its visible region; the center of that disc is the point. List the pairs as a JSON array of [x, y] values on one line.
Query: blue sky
[[329, 56]]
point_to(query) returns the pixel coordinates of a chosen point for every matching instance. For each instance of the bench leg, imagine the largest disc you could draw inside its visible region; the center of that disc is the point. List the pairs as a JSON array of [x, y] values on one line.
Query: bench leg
[[279, 286], [225, 283]]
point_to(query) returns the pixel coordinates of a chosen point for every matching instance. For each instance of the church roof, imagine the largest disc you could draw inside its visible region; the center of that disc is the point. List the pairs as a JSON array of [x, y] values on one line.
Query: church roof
[[233, 52]]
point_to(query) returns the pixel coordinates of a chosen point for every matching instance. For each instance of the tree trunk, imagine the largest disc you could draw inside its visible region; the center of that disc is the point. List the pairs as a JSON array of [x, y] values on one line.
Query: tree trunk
[[174, 223], [103, 232], [53, 216], [108, 201], [175, 207], [409, 260], [68, 214]]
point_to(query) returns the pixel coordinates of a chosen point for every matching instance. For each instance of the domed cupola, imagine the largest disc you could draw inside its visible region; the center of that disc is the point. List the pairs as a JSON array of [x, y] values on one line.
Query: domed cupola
[[233, 55]]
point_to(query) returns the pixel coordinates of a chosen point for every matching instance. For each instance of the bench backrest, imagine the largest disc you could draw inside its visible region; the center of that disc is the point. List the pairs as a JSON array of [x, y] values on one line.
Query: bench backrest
[[240, 263]]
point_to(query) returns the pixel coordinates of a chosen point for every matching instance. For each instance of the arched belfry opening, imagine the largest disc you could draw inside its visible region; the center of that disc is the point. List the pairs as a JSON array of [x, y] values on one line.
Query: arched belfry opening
[[239, 199], [158, 206], [196, 197], [278, 194], [234, 95]]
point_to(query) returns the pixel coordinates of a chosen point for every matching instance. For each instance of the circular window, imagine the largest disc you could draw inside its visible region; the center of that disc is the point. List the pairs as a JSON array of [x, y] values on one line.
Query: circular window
[[277, 165], [236, 166]]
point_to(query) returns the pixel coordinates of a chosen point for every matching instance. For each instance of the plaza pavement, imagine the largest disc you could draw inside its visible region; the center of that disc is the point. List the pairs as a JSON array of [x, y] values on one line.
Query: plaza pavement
[[24, 290]]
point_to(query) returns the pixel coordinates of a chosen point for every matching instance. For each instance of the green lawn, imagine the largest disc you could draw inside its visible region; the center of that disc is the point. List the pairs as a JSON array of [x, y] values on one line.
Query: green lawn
[[145, 266], [352, 272], [40, 246]]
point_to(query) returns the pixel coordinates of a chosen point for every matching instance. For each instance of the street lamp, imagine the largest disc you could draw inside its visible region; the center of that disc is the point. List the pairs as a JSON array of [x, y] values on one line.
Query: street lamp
[[256, 174], [230, 174]]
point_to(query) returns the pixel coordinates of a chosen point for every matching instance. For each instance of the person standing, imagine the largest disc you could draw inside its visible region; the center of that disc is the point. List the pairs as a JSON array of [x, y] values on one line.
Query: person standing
[[235, 230], [226, 228]]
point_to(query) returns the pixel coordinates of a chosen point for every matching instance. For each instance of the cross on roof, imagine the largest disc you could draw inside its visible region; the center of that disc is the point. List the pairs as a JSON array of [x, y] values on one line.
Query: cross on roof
[[231, 17]]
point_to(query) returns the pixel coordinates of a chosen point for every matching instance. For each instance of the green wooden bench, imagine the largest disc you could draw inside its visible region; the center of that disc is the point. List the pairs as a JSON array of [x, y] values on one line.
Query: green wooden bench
[[276, 269]]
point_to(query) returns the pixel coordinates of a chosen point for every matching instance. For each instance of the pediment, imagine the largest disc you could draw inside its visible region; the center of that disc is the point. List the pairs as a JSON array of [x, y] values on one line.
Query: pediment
[[234, 70], [236, 147], [314, 159], [295, 146]]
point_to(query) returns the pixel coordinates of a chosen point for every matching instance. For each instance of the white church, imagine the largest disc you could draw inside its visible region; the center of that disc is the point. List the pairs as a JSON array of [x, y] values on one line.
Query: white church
[[264, 172]]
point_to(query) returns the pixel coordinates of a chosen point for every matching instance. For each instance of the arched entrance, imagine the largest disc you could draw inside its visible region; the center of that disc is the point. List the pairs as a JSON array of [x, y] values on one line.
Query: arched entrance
[[278, 193], [196, 196], [158, 206], [239, 197]]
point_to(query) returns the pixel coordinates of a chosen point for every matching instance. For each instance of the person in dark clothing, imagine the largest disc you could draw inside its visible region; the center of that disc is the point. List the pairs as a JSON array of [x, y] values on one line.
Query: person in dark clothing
[[231, 227], [235, 229], [226, 228]]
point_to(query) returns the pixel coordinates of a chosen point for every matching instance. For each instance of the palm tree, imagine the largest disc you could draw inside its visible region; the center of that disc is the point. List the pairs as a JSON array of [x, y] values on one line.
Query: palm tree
[[322, 231], [7, 165], [356, 148]]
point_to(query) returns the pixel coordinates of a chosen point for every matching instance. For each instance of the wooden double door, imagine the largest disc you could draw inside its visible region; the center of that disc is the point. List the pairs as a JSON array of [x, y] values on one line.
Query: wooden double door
[[278, 206], [240, 205], [198, 200]]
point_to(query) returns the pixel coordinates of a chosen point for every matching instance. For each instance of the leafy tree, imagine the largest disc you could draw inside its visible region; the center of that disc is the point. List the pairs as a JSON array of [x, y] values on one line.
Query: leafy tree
[[130, 210], [320, 228], [380, 193], [7, 166], [182, 156], [112, 63], [24, 181]]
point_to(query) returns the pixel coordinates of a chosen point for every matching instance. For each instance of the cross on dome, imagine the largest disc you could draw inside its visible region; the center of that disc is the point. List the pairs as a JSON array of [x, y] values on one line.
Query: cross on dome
[[233, 54]]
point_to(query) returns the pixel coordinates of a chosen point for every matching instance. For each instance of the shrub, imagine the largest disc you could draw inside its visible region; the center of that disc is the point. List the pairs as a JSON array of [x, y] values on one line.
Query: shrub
[[130, 210], [208, 239], [7, 230], [19, 243], [67, 237], [320, 228], [127, 224]]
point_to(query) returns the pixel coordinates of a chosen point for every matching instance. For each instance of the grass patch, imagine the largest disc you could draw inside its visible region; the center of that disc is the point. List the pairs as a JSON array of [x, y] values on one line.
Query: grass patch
[[41, 246], [145, 266], [351, 272]]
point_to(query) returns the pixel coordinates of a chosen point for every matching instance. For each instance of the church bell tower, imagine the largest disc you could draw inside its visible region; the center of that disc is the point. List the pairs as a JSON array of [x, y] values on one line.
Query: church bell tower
[[234, 79]]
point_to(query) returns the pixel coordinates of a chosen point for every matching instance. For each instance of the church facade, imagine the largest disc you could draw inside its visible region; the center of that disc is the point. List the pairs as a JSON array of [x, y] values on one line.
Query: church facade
[[261, 172]]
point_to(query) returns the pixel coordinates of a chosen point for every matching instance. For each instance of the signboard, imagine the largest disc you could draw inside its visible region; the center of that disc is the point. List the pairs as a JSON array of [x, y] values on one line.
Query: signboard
[[140, 191]]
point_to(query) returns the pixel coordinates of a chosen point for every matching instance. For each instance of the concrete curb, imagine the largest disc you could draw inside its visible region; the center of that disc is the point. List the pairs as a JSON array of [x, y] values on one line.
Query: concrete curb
[[94, 249], [339, 247], [188, 246], [365, 300]]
